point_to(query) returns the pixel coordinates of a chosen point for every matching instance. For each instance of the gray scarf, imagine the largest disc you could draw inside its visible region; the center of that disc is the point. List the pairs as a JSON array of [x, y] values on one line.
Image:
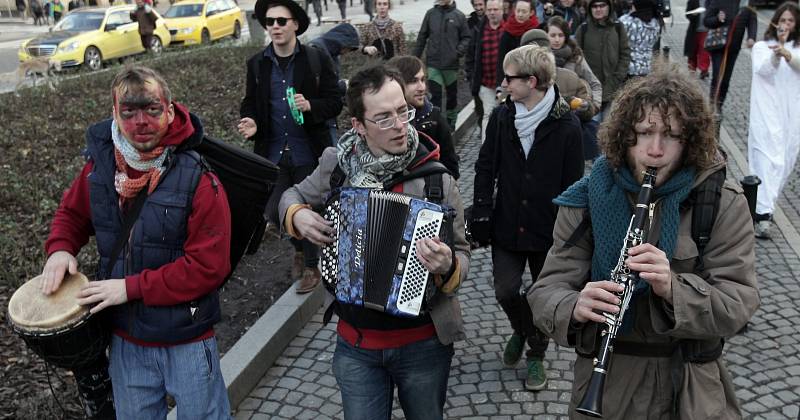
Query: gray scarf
[[365, 170], [526, 121]]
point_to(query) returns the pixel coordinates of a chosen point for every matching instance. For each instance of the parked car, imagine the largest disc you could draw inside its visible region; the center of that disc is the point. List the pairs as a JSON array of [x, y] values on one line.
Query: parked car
[[91, 36], [203, 21]]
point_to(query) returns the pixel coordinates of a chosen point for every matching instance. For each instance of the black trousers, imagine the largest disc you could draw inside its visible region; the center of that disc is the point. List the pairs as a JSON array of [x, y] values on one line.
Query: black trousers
[[723, 79], [507, 268], [288, 175]]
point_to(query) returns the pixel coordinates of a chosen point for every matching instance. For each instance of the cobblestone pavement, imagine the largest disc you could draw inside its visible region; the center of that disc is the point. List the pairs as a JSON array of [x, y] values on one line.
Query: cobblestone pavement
[[763, 360]]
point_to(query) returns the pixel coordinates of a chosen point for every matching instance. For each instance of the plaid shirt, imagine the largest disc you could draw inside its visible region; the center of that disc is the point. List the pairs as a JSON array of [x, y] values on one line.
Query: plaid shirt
[[490, 47]]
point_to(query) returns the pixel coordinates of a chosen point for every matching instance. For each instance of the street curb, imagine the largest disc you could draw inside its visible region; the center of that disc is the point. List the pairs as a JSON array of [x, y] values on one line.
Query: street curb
[[787, 229], [248, 360]]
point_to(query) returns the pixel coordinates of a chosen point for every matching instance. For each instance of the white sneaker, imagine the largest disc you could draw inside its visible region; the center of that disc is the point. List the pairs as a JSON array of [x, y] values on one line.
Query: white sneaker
[[764, 229]]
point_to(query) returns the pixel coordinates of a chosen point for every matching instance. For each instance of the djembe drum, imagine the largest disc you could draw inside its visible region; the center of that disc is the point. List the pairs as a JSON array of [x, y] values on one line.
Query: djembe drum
[[64, 334]]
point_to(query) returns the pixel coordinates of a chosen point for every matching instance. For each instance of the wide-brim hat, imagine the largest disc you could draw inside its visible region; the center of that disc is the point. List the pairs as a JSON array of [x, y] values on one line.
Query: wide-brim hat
[[298, 14]]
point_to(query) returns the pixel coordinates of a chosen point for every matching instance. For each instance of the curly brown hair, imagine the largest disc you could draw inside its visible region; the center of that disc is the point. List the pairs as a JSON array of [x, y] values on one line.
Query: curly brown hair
[[671, 90]]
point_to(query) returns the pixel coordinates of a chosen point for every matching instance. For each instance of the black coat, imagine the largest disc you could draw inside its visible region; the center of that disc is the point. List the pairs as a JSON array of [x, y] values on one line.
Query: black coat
[[321, 90], [739, 19], [434, 124], [523, 214], [689, 45], [473, 63]]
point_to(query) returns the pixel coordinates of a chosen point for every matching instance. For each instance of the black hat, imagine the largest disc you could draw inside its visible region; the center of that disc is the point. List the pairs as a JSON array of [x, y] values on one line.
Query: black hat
[[297, 12]]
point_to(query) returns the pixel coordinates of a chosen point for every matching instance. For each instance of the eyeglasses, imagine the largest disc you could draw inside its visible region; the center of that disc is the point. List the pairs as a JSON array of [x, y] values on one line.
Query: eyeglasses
[[599, 6], [389, 122], [509, 77], [282, 21]]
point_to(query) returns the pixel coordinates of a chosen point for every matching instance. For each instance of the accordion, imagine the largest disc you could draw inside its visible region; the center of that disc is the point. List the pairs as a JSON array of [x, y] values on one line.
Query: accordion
[[373, 260]]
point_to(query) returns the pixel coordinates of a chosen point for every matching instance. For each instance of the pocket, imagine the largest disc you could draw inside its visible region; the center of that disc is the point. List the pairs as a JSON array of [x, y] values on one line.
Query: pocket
[[685, 257], [702, 395], [209, 356], [170, 213]]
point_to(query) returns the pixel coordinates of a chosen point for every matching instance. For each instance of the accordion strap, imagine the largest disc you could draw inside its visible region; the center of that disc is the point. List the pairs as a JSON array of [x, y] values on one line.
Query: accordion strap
[[431, 170]]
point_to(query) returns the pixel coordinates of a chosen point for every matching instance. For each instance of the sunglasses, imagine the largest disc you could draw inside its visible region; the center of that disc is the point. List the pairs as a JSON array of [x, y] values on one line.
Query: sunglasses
[[519, 76], [282, 21]]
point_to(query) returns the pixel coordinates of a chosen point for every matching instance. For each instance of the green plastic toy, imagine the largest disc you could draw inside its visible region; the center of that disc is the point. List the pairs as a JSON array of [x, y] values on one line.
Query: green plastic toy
[[296, 113]]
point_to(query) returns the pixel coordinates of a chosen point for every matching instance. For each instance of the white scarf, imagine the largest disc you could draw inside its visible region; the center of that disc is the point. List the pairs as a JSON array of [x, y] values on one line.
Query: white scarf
[[526, 121]]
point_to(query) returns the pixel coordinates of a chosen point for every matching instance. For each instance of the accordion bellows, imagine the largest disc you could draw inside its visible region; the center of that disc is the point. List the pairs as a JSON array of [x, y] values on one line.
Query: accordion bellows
[[372, 261]]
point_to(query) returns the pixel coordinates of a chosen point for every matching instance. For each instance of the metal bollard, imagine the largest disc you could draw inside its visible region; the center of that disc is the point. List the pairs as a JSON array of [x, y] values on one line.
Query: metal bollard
[[750, 185]]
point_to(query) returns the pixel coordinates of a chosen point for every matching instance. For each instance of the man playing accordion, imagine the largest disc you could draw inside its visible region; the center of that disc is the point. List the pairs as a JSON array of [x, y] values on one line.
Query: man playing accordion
[[376, 351], [692, 291]]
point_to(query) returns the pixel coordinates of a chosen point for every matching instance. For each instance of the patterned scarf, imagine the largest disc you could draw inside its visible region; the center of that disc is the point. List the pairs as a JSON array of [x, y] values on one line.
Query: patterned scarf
[[562, 55], [363, 169], [126, 156], [605, 192], [381, 24]]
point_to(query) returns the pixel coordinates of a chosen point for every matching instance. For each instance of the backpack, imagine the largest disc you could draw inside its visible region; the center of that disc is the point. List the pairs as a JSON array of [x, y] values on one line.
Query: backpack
[[248, 180], [704, 201]]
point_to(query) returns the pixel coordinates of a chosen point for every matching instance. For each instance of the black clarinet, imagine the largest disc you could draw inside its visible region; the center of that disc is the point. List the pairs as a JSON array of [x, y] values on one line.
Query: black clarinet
[[592, 402]]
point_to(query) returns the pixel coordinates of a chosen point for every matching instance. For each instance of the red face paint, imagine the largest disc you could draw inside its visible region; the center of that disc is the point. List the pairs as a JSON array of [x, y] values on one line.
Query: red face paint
[[143, 117]]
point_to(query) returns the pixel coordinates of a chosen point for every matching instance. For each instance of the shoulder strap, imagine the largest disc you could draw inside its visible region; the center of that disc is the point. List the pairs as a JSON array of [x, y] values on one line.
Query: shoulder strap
[[579, 231], [314, 62], [127, 224], [583, 28], [705, 206], [337, 177], [434, 188]]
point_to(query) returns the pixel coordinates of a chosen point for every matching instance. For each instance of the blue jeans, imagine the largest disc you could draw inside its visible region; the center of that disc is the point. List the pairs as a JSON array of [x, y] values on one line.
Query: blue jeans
[[143, 376], [367, 379]]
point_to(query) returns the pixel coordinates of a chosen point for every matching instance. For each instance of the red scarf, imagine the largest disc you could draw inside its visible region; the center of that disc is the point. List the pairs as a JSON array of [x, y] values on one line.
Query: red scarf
[[515, 28]]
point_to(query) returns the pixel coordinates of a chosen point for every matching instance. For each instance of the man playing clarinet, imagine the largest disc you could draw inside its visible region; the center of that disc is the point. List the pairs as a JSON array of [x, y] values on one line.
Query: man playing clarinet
[[688, 292]]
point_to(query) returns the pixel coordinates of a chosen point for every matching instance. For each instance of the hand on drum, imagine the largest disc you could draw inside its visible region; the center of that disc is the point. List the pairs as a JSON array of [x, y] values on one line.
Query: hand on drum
[[56, 267], [435, 255], [313, 227], [596, 296], [105, 293]]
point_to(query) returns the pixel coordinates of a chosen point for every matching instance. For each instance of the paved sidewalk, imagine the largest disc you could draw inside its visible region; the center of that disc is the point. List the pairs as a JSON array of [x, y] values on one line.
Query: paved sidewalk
[[763, 361]]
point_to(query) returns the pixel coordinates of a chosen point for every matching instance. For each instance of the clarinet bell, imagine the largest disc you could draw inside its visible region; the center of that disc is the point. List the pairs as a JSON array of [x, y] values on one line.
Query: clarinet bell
[[592, 402]]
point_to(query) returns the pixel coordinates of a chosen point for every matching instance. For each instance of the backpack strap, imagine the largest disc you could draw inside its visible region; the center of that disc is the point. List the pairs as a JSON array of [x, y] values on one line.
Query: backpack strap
[[705, 206], [314, 62], [582, 29], [337, 177], [579, 231]]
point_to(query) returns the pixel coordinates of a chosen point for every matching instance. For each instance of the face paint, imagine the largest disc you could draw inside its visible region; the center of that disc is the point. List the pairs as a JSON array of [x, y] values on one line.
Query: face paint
[[143, 116]]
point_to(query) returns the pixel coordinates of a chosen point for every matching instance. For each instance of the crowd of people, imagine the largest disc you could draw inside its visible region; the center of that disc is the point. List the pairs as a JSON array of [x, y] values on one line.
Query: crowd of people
[[556, 84]]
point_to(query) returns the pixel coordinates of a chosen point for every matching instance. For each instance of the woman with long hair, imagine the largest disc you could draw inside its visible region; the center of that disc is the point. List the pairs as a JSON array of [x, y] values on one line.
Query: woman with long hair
[[383, 37], [774, 136], [569, 56]]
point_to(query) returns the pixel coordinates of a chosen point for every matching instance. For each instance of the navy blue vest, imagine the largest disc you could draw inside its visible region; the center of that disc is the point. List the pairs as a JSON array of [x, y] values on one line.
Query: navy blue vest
[[156, 239]]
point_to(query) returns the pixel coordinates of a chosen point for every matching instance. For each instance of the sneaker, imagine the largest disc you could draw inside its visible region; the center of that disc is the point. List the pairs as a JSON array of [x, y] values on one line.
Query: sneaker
[[764, 229], [513, 351], [310, 280], [537, 376], [298, 264]]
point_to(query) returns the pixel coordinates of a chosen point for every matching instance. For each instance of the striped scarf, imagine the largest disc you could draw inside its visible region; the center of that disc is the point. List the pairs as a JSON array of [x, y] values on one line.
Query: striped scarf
[[126, 156]]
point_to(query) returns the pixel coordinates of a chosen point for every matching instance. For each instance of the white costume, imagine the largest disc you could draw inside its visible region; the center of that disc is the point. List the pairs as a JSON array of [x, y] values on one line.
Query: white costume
[[774, 138]]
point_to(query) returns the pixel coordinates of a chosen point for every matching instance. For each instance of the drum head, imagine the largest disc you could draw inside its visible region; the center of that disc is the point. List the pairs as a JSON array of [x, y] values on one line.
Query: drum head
[[30, 309]]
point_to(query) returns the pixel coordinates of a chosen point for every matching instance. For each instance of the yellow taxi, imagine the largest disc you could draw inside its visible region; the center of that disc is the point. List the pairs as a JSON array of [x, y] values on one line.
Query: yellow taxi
[[91, 36], [203, 21]]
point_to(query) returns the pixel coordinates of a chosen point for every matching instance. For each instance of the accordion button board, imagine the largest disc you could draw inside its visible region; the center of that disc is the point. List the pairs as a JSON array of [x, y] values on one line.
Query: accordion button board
[[373, 260]]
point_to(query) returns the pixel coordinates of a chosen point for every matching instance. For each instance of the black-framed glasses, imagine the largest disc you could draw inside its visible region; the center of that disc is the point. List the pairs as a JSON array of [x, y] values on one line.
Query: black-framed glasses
[[282, 21], [389, 122], [509, 77]]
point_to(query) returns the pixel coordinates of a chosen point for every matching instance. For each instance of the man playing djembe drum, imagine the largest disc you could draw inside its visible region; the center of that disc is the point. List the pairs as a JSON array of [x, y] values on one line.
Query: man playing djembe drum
[[375, 351], [160, 292]]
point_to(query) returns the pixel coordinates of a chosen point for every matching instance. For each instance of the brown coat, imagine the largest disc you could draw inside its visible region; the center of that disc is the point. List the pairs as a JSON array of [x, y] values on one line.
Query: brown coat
[[146, 18], [393, 33], [571, 86], [707, 306], [445, 308]]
